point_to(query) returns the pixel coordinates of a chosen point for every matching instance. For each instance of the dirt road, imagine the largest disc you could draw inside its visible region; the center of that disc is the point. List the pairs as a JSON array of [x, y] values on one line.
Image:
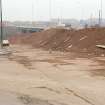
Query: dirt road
[[36, 77]]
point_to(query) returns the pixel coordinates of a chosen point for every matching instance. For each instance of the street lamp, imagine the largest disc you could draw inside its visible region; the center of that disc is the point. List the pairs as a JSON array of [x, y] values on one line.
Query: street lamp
[[1, 40], [3, 51], [101, 10]]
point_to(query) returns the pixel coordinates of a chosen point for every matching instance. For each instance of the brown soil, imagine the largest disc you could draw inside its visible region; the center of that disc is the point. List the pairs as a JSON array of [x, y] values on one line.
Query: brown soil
[[84, 40], [32, 76]]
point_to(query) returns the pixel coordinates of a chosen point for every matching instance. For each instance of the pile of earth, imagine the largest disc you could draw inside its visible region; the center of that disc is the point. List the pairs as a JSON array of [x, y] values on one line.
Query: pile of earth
[[84, 40]]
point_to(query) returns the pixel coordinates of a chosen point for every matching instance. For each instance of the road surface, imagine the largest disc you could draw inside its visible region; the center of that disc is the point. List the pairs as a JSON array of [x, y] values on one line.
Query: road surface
[[35, 77]]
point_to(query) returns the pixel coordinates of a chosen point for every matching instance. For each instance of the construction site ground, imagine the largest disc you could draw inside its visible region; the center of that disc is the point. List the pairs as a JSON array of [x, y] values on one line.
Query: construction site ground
[[36, 77]]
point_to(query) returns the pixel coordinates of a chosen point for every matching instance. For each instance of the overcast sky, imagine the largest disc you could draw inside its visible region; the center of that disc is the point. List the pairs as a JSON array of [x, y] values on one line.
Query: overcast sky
[[46, 9]]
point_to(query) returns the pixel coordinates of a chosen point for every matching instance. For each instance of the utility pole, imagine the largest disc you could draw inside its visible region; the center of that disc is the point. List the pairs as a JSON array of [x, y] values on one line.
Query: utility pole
[[1, 40], [91, 20], [32, 13], [99, 18], [50, 13], [2, 50], [101, 11], [50, 10]]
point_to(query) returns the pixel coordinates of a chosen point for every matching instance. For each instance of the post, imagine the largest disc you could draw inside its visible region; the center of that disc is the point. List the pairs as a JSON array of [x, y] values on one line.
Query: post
[[32, 13], [1, 40], [101, 9], [101, 15], [99, 18]]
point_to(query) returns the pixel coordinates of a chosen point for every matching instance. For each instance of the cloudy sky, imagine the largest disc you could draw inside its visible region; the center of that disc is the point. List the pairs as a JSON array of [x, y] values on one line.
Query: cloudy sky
[[47, 9]]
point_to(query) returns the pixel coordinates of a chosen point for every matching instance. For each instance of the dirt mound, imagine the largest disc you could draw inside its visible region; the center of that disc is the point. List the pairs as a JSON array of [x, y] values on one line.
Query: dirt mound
[[84, 40]]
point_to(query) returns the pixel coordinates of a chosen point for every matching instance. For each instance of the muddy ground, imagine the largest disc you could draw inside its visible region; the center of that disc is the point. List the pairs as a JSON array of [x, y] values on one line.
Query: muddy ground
[[35, 77]]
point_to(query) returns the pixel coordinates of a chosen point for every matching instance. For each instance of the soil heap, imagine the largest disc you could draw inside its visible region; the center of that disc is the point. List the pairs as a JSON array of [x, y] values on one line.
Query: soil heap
[[84, 40]]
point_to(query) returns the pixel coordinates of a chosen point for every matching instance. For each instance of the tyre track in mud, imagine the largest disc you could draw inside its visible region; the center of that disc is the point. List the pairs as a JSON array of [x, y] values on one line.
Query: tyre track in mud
[[24, 60]]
